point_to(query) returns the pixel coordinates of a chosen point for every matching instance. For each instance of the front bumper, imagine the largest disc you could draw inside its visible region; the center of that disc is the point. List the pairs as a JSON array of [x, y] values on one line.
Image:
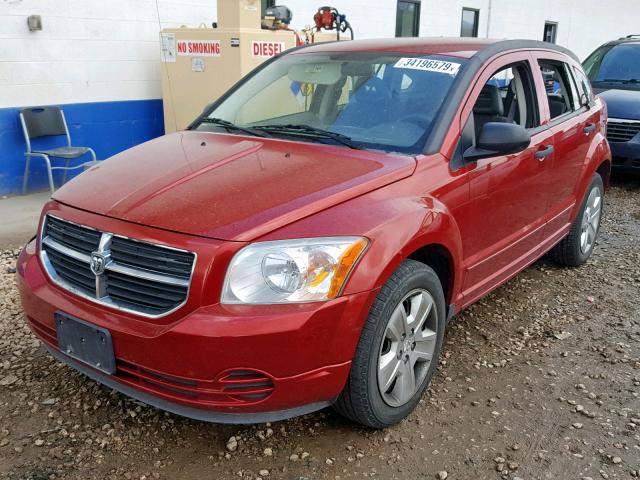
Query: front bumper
[[626, 155], [221, 363]]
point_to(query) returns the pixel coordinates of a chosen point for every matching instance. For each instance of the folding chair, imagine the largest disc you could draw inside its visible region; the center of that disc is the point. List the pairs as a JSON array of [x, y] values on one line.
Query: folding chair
[[47, 122]]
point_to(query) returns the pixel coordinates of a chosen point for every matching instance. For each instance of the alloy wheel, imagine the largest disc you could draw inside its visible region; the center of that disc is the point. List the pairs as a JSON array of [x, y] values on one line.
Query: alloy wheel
[[407, 347], [591, 220]]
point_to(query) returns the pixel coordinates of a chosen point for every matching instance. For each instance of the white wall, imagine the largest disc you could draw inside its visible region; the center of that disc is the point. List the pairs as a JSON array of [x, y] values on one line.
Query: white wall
[[596, 22], [88, 50], [583, 25], [442, 19]]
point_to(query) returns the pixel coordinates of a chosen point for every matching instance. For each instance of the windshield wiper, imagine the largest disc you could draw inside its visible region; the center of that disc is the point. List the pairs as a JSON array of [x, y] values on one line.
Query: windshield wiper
[[308, 130], [232, 126]]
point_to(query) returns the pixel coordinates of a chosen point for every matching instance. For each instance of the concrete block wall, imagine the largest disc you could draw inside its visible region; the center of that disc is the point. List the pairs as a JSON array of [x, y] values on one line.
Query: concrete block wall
[[98, 59], [88, 50]]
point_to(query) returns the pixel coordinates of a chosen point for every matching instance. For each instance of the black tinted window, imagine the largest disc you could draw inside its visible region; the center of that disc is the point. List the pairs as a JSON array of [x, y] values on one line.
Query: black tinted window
[[508, 97], [617, 63], [558, 84]]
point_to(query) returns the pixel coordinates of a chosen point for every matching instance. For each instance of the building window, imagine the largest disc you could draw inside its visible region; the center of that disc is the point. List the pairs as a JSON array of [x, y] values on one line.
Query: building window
[[550, 30], [408, 18], [469, 25]]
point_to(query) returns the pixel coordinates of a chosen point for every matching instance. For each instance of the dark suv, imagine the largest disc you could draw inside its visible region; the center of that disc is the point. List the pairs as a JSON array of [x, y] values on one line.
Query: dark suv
[[614, 71]]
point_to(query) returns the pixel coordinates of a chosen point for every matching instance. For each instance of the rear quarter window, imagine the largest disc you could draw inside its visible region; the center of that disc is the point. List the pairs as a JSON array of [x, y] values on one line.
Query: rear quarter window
[[584, 85]]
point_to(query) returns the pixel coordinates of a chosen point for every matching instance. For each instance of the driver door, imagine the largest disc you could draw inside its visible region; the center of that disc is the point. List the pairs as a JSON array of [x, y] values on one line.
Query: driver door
[[504, 226]]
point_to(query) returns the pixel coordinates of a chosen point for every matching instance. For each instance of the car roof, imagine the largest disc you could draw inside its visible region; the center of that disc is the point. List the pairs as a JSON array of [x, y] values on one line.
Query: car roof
[[633, 39], [454, 47]]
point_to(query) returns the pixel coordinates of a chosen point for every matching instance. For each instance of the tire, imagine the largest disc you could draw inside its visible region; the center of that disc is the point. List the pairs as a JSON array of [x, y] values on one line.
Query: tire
[[411, 288], [573, 251]]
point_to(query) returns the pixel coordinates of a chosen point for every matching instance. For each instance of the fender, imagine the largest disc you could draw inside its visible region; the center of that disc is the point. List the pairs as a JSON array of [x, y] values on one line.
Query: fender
[[598, 153], [437, 227], [397, 224]]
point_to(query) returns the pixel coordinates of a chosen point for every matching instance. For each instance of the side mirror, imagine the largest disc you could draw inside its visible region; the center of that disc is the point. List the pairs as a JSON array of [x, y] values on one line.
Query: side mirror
[[497, 138]]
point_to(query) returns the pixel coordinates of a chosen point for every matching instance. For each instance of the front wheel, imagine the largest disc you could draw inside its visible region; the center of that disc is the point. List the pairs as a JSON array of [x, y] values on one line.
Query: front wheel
[[398, 349], [576, 248]]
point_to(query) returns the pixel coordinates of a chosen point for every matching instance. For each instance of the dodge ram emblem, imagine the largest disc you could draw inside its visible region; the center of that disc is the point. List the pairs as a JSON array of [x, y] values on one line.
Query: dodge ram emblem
[[98, 263]]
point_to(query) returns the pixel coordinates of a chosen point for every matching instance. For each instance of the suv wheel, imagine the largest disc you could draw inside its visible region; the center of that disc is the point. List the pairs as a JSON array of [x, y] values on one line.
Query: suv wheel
[[576, 248], [398, 349]]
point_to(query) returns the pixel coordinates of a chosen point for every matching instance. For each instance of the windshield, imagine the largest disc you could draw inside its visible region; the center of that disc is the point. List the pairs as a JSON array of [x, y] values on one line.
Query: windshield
[[366, 100], [614, 63]]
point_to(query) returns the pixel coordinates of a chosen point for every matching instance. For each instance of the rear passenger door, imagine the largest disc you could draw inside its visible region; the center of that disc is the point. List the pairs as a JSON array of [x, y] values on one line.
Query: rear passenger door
[[503, 227], [573, 125]]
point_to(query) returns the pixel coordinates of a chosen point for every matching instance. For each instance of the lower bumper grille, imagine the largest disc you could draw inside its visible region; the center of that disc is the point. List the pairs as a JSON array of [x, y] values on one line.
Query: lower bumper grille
[[235, 387], [148, 279], [229, 388]]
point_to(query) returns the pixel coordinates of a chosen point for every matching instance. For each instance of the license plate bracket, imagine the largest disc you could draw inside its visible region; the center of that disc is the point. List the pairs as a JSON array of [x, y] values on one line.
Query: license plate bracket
[[85, 342]]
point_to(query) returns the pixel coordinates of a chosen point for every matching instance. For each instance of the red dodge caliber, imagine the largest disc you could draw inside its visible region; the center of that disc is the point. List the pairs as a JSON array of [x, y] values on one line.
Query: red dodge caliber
[[304, 242]]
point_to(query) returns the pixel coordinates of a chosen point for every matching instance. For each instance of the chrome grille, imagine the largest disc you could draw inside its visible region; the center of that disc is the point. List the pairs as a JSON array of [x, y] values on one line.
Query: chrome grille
[[74, 271], [622, 130], [73, 236], [146, 256], [139, 293], [148, 279]]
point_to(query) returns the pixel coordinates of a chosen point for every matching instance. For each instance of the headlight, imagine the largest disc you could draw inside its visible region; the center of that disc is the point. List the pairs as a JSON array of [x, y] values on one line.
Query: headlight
[[304, 270]]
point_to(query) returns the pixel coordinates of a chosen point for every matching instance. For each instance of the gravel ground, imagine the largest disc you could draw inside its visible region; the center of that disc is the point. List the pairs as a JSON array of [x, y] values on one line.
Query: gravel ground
[[541, 379]]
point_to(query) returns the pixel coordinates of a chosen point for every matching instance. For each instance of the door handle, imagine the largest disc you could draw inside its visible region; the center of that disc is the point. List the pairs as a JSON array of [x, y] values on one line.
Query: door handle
[[541, 154], [589, 128]]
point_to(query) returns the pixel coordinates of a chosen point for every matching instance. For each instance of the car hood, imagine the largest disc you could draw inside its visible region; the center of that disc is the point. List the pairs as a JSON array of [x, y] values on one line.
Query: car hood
[[622, 103], [228, 187]]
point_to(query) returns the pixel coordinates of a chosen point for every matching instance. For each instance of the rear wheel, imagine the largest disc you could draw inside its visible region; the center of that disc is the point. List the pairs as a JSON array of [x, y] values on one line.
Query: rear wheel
[[576, 248], [398, 350]]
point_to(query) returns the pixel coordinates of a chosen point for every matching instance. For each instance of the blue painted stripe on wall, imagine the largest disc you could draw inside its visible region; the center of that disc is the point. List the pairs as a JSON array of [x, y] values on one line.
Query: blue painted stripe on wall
[[107, 127]]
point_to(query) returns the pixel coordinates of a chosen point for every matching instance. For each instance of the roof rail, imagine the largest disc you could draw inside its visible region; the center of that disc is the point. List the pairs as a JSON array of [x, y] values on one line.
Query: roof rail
[[632, 36]]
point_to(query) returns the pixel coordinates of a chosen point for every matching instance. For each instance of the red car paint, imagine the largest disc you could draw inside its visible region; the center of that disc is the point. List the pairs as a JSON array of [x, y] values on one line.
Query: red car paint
[[239, 181], [212, 193]]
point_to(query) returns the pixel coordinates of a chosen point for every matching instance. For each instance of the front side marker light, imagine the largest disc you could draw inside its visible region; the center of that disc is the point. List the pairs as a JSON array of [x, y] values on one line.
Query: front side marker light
[[347, 260]]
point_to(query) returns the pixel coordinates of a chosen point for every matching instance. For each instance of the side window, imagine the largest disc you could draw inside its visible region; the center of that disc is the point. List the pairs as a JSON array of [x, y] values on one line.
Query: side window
[[508, 96], [575, 97], [558, 83], [584, 86]]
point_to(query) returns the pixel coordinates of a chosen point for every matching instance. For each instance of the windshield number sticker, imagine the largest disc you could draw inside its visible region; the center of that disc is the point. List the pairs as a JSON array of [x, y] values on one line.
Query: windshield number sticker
[[429, 65]]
